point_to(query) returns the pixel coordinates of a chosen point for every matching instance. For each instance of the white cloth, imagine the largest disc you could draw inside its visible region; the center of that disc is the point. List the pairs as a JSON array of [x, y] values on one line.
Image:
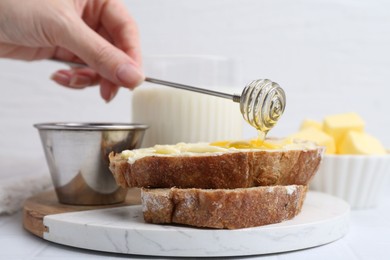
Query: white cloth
[[21, 180]]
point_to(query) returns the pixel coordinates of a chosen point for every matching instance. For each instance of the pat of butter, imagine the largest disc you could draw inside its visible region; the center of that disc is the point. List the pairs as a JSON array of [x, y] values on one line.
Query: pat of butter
[[166, 149], [202, 148], [309, 123], [221, 143], [338, 126], [317, 136], [186, 148], [361, 143]]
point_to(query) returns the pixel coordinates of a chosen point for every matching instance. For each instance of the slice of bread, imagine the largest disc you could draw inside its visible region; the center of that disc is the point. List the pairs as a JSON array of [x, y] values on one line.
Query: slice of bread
[[211, 167], [223, 208]]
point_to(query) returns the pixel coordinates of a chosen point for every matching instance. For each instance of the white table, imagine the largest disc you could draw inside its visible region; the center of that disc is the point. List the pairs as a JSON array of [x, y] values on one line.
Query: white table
[[368, 238]]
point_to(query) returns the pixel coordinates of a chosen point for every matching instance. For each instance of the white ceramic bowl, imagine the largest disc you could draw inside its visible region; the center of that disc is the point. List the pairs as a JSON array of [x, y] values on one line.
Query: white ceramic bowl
[[358, 179]]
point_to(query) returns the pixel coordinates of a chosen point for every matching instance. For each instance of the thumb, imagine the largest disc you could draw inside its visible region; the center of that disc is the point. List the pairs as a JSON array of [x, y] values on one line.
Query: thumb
[[110, 62]]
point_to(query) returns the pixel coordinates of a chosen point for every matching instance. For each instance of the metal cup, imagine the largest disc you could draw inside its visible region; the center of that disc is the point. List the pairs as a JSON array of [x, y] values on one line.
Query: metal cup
[[77, 156]]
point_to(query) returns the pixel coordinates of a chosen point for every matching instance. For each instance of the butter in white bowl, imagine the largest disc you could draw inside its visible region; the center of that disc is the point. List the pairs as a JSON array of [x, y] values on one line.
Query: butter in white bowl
[[355, 166], [316, 135], [360, 143], [338, 126]]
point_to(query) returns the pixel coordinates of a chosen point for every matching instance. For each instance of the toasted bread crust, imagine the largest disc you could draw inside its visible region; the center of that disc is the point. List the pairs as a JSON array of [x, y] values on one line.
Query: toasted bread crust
[[225, 171], [223, 208]]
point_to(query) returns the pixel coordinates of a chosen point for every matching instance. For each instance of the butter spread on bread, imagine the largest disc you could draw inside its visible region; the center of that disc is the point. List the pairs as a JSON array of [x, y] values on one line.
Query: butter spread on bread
[[216, 148], [209, 166]]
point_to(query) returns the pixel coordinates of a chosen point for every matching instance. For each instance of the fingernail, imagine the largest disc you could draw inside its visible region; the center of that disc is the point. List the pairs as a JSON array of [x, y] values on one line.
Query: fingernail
[[108, 91], [129, 75], [80, 81], [111, 97], [106, 94], [61, 78]]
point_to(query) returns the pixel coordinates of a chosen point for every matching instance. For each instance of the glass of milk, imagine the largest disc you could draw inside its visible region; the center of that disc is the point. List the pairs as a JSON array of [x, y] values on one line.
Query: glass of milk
[[176, 115]]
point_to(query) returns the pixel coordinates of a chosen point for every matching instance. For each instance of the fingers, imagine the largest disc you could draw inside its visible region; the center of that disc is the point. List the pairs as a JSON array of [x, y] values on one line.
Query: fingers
[[76, 78], [79, 78], [110, 62], [107, 42]]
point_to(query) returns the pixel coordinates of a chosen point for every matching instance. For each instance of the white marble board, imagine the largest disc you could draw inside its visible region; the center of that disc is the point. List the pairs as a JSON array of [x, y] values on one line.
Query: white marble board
[[122, 230]]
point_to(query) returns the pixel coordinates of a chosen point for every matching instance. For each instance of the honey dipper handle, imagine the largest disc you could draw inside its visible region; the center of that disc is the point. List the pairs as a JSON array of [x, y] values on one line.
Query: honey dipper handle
[[235, 98]]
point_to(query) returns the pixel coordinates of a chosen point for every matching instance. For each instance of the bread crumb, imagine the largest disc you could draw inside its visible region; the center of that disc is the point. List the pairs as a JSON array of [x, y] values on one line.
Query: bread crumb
[[291, 189]]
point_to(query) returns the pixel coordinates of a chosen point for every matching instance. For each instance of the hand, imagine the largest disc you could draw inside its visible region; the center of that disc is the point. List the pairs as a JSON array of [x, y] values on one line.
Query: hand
[[99, 33]]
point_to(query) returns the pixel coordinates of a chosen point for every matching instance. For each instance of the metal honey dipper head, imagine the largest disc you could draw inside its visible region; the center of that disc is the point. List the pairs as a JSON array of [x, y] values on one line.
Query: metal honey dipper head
[[262, 103]]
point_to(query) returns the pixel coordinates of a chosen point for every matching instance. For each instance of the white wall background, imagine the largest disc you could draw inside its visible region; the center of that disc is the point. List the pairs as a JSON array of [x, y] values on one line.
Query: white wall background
[[330, 56]]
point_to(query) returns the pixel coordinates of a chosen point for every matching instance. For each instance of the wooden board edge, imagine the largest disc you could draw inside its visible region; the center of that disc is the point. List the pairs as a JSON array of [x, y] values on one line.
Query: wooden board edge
[[44, 204], [33, 222]]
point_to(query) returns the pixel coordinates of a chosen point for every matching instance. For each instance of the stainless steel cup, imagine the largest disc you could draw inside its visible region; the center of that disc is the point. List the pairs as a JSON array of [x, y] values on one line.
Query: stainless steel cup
[[77, 156]]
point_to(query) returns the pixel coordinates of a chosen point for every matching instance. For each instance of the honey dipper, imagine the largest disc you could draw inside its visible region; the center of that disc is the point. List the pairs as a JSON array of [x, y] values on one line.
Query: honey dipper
[[262, 102]]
